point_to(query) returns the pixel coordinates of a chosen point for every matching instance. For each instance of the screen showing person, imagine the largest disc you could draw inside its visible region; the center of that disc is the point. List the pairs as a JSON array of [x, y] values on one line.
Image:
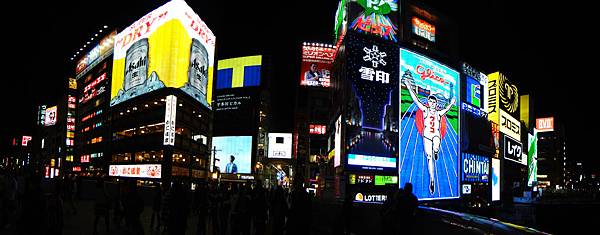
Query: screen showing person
[[231, 166], [312, 75], [233, 154]]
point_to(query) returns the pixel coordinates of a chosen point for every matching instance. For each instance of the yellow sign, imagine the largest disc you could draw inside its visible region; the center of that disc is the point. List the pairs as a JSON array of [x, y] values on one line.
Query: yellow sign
[[525, 110], [72, 83], [168, 47], [239, 72], [493, 97]]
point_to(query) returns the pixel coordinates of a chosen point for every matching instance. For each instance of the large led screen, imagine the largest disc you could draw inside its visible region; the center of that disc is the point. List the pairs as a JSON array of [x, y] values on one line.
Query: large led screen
[[316, 65], [371, 117], [168, 47], [429, 124], [234, 153], [239, 72], [280, 145], [495, 179]]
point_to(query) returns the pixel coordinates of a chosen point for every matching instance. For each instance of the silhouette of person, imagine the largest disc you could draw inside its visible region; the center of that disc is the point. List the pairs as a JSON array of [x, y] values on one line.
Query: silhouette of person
[[231, 167]]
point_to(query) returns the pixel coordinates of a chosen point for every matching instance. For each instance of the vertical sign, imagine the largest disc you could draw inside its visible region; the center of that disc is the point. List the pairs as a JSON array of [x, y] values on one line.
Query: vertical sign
[[495, 179], [532, 158], [170, 115]]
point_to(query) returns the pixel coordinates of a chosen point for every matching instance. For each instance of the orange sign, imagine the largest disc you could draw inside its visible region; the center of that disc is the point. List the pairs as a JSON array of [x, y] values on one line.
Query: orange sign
[[544, 124]]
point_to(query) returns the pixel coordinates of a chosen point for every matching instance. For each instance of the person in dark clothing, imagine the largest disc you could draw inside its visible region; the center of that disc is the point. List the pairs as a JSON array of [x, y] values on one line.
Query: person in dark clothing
[[33, 218], [165, 207], [133, 205], [202, 208], [300, 209], [118, 210], [156, 203], [408, 205], [389, 213], [259, 209], [277, 211], [101, 206], [214, 200], [347, 208], [240, 217], [179, 209]]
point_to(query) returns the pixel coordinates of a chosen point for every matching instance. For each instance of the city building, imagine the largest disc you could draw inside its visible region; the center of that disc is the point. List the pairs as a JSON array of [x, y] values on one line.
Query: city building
[[552, 153]]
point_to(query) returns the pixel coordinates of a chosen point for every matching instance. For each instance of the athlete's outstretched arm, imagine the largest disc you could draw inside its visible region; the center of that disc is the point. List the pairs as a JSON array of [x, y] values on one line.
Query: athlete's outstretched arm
[[414, 96], [445, 110]]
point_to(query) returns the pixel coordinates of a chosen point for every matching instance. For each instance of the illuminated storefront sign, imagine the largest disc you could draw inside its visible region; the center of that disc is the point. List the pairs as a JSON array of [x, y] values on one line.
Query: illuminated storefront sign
[[76, 168], [466, 189], [423, 29], [509, 125], [239, 72], [544, 124], [317, 129], [338, 142], [385, 179], [475, 168], [138, 171], [378, 18], [50, 117], [532, 158], [85, 158], [280, 145], [367, 162], [473, 91], [473, 110], [429, 144], [495, 179], [25, 140], [170, 117], [168, 47], [315, 69], [72, 83], [513, 149], [41, 115], [370, 198], [360, 179]]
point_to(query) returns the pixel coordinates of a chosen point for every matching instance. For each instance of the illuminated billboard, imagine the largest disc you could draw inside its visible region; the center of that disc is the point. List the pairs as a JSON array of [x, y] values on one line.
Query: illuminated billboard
[[492, 96], [495, 179], [429, 124], [315, 69], [341, 21], [239, 72], [280, 145], [25, 140], [367, 162], [233, 112], [473, 92], [97, 54], [381, 180], [513, 149], [370, 198], [544, 124], [337, 142], [475, 168], [168, 47], [376, 17], [315, 129], [423, 29], [503, 95], [509, 125], [170, 117], [41, 119], [50, 117], [234, 154], [371, 117], [152, 171], [532, 158]]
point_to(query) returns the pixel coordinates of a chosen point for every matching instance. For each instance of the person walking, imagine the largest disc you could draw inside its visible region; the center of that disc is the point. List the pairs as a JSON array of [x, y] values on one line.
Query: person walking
[[133, 205], [101, 206], [156, 203]]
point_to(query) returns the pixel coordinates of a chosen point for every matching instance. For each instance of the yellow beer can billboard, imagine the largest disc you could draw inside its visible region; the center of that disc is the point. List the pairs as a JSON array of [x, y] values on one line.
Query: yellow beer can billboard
[[168, 47]]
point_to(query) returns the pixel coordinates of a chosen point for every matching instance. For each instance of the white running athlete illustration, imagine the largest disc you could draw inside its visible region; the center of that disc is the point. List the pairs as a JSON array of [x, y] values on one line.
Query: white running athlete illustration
[[432, 117]]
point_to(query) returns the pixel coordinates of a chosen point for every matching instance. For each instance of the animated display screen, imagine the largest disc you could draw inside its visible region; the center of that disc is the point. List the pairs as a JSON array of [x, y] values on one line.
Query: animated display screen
[[168, 47], [240, 147], [280, 145], [239, 72], [495, 179], [316, 65], [473, 92], [375, 17], [50, 117], [532, 158], [475, 168], [371, 118], [429, 127]]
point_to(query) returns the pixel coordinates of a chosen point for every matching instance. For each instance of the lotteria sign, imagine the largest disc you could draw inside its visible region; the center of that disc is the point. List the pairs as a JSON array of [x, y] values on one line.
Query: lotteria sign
[[370, 198]]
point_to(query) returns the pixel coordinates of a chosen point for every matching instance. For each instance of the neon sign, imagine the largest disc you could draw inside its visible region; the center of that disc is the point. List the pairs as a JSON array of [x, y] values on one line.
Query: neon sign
[[423, 29], [374, 19]]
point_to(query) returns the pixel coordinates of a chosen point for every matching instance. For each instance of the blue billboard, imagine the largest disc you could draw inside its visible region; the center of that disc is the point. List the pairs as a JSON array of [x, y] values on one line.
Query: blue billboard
[[473, 92], [475, 168], [429, 124]]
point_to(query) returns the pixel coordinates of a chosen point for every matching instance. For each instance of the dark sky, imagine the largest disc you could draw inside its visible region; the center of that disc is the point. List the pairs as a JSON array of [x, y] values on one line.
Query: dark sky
[[538, 44]]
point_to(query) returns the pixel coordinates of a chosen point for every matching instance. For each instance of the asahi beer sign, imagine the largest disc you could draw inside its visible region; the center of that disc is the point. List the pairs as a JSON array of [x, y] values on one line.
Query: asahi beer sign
[[169, 47], [513, 149], [509, 125]]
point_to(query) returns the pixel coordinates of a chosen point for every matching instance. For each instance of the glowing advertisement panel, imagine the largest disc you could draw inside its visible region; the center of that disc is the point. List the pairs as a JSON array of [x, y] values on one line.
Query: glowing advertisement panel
[[371, 117], [423, 29], [239, 72], [280, 145], [544, 124], [138, 171], [366, 162], [429, 127], [240, 147], [375, 17], [338, 142], [495, 179], [492, 96], [168, 47], [50, 118], [532, 158], [98, 53], [475, 168], [509, 125], [513, 149], [316, 65], [509, 96], [473, 91]]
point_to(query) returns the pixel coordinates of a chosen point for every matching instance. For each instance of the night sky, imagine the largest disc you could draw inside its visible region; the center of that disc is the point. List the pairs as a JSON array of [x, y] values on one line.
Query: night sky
[[539, 45]]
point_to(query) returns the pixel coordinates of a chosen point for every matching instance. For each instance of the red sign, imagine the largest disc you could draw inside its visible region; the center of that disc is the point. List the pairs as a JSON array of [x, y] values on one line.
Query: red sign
[[544, 124], [317, 129], [316, 65], [423, 29], [76, 168], [25, 140], [95, 82], [85, 158]]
